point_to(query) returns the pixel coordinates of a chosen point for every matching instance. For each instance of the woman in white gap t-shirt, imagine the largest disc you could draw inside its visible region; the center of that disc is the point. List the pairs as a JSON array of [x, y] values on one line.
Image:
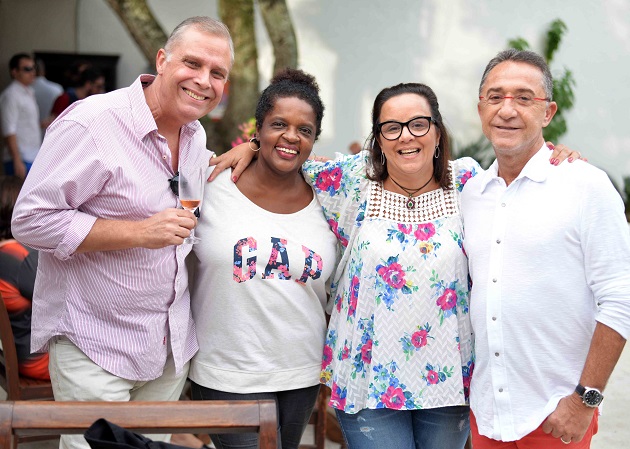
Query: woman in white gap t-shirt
[[266, 252]]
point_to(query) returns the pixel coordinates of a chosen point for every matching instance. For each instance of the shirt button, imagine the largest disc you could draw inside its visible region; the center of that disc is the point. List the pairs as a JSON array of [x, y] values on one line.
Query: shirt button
[[495, 280], [498, 240], [494, 318], [502, 204], [500, 390], [164, 157], [496, 354]]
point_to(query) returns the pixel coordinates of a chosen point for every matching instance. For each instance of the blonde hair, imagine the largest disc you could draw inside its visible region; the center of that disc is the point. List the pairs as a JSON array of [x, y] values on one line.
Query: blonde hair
[[204, 24]]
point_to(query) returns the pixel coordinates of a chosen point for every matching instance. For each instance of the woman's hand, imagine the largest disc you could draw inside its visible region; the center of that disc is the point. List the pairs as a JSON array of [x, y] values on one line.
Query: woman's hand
[[238, 158], [561, 152]]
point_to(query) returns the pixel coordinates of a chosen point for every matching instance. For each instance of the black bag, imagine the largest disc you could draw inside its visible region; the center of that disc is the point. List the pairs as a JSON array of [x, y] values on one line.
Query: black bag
[[103, 434]]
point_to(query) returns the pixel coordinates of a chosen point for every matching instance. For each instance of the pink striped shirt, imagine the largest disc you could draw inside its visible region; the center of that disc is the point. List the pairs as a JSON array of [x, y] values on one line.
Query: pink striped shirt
[[103, 157]]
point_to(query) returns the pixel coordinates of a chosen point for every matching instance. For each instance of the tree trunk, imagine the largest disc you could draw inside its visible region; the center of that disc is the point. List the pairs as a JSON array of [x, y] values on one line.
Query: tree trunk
[[238, 16], [280, 28], [141, 24]]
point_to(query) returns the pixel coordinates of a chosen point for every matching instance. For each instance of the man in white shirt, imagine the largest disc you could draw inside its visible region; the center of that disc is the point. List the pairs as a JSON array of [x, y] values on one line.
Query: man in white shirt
[[549, 258], [46, 92], [20, 117]]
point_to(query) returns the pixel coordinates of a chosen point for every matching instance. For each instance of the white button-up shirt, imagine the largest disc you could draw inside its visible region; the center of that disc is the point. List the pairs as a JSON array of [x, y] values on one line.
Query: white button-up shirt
[[549, 255], [20, 117]]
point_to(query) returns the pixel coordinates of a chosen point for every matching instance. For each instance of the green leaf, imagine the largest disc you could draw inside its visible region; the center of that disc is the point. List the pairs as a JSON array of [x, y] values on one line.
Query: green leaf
[[563, 90], [554, 37], [519, 43], [480, 150]]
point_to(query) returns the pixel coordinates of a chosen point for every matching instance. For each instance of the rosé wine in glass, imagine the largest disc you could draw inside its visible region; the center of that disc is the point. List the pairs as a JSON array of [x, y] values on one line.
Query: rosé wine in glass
[[191, 183]]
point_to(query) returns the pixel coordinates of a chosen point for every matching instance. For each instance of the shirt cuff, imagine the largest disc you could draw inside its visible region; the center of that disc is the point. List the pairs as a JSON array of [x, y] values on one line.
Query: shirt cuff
[[78, 230]]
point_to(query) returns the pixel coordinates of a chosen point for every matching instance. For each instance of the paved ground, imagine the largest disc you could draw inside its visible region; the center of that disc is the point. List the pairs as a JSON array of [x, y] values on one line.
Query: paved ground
[[614, 430], [614, 425]]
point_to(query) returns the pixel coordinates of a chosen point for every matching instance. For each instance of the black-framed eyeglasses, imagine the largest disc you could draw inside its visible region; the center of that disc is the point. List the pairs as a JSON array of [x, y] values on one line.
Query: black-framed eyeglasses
[[174, 184], [417, 126], [27, 68]]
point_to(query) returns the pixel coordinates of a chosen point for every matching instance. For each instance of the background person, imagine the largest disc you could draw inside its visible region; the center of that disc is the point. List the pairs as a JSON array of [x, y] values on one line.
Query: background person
[[111, 301], [549, 257], [18, 265], [46, 92], [91, 82], [259, 291], [19, 117], [354, 147]]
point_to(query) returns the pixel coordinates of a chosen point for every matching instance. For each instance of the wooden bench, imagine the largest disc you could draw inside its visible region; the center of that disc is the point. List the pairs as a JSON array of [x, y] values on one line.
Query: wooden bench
[[43, 417], [18, 388]]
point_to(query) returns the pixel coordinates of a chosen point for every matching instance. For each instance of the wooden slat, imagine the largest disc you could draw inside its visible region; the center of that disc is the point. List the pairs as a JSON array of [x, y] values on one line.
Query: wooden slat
[[16, 386], [6, 409], [43, 417]]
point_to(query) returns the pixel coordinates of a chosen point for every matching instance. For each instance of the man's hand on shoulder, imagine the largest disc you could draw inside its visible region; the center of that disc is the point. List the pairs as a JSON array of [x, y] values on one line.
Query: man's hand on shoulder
[[169, 227], [570, 419], [238, 158]]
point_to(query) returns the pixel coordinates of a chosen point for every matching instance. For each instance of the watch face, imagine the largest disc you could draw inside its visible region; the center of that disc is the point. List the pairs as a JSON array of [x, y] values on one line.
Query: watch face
[[592, 398]]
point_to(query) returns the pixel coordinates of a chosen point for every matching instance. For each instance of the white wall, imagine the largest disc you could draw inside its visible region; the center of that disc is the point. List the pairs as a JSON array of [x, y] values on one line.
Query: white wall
[[357, 47]]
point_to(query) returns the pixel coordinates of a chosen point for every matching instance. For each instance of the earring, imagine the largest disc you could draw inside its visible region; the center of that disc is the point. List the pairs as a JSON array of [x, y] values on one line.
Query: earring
[[382, 159], [437, 152], [254, 140]]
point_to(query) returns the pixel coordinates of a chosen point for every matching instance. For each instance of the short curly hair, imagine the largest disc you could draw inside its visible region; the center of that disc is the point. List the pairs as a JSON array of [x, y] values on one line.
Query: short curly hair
[[291, 83]]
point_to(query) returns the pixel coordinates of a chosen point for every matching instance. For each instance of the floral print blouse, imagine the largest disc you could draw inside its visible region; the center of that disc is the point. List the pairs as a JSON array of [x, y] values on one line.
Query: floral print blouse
[[399, 335]]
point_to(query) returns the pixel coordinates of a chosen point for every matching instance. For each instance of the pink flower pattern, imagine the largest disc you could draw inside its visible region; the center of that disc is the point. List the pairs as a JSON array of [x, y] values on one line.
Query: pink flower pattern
[[419, 338], [425, 231], [394, 398], [393, 275], [329, 180], [398, 284], [448, 299]]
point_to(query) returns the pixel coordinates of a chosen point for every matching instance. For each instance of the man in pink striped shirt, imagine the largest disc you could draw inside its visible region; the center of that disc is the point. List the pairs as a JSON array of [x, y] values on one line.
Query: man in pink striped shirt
[[111, 301]]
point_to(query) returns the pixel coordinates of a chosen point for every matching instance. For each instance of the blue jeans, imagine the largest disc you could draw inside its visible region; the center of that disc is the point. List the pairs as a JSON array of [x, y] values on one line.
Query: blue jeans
[[435, 428], [9, 171], [294, 410]]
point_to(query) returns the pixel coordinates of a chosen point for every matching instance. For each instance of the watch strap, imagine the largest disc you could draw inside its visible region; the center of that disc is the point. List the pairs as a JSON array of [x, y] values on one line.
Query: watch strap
[[580, 390]]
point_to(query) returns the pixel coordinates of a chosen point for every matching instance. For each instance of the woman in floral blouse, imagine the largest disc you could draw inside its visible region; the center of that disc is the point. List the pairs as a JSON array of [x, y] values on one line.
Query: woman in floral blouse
[[399, 348], [398, 354]]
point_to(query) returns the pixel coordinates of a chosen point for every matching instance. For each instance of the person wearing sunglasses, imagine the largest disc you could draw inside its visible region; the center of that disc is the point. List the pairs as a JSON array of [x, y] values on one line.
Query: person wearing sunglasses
[[111, 301], [19, 114]]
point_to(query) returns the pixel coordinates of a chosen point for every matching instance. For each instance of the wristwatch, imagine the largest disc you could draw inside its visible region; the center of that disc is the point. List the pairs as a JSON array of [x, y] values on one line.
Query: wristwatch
[[591, 397]]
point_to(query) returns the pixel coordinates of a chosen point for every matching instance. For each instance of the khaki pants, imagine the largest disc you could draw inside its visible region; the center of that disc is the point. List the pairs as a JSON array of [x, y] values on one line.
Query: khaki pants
[[75, 377]]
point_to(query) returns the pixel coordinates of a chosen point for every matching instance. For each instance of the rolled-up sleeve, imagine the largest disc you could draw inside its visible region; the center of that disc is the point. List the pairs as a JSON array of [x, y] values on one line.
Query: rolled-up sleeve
[[67, 173], [606, 246]]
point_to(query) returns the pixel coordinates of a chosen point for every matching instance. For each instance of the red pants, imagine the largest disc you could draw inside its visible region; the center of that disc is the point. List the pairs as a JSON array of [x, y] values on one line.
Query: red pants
[[534, 440]]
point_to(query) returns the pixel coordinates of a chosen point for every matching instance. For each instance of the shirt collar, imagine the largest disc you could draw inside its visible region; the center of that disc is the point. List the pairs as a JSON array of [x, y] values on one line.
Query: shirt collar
[[536, 169], [28, 89], [143, 120]]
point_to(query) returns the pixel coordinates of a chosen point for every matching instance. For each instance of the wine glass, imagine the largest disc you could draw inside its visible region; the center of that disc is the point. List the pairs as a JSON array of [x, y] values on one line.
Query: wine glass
[[190, 192]]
